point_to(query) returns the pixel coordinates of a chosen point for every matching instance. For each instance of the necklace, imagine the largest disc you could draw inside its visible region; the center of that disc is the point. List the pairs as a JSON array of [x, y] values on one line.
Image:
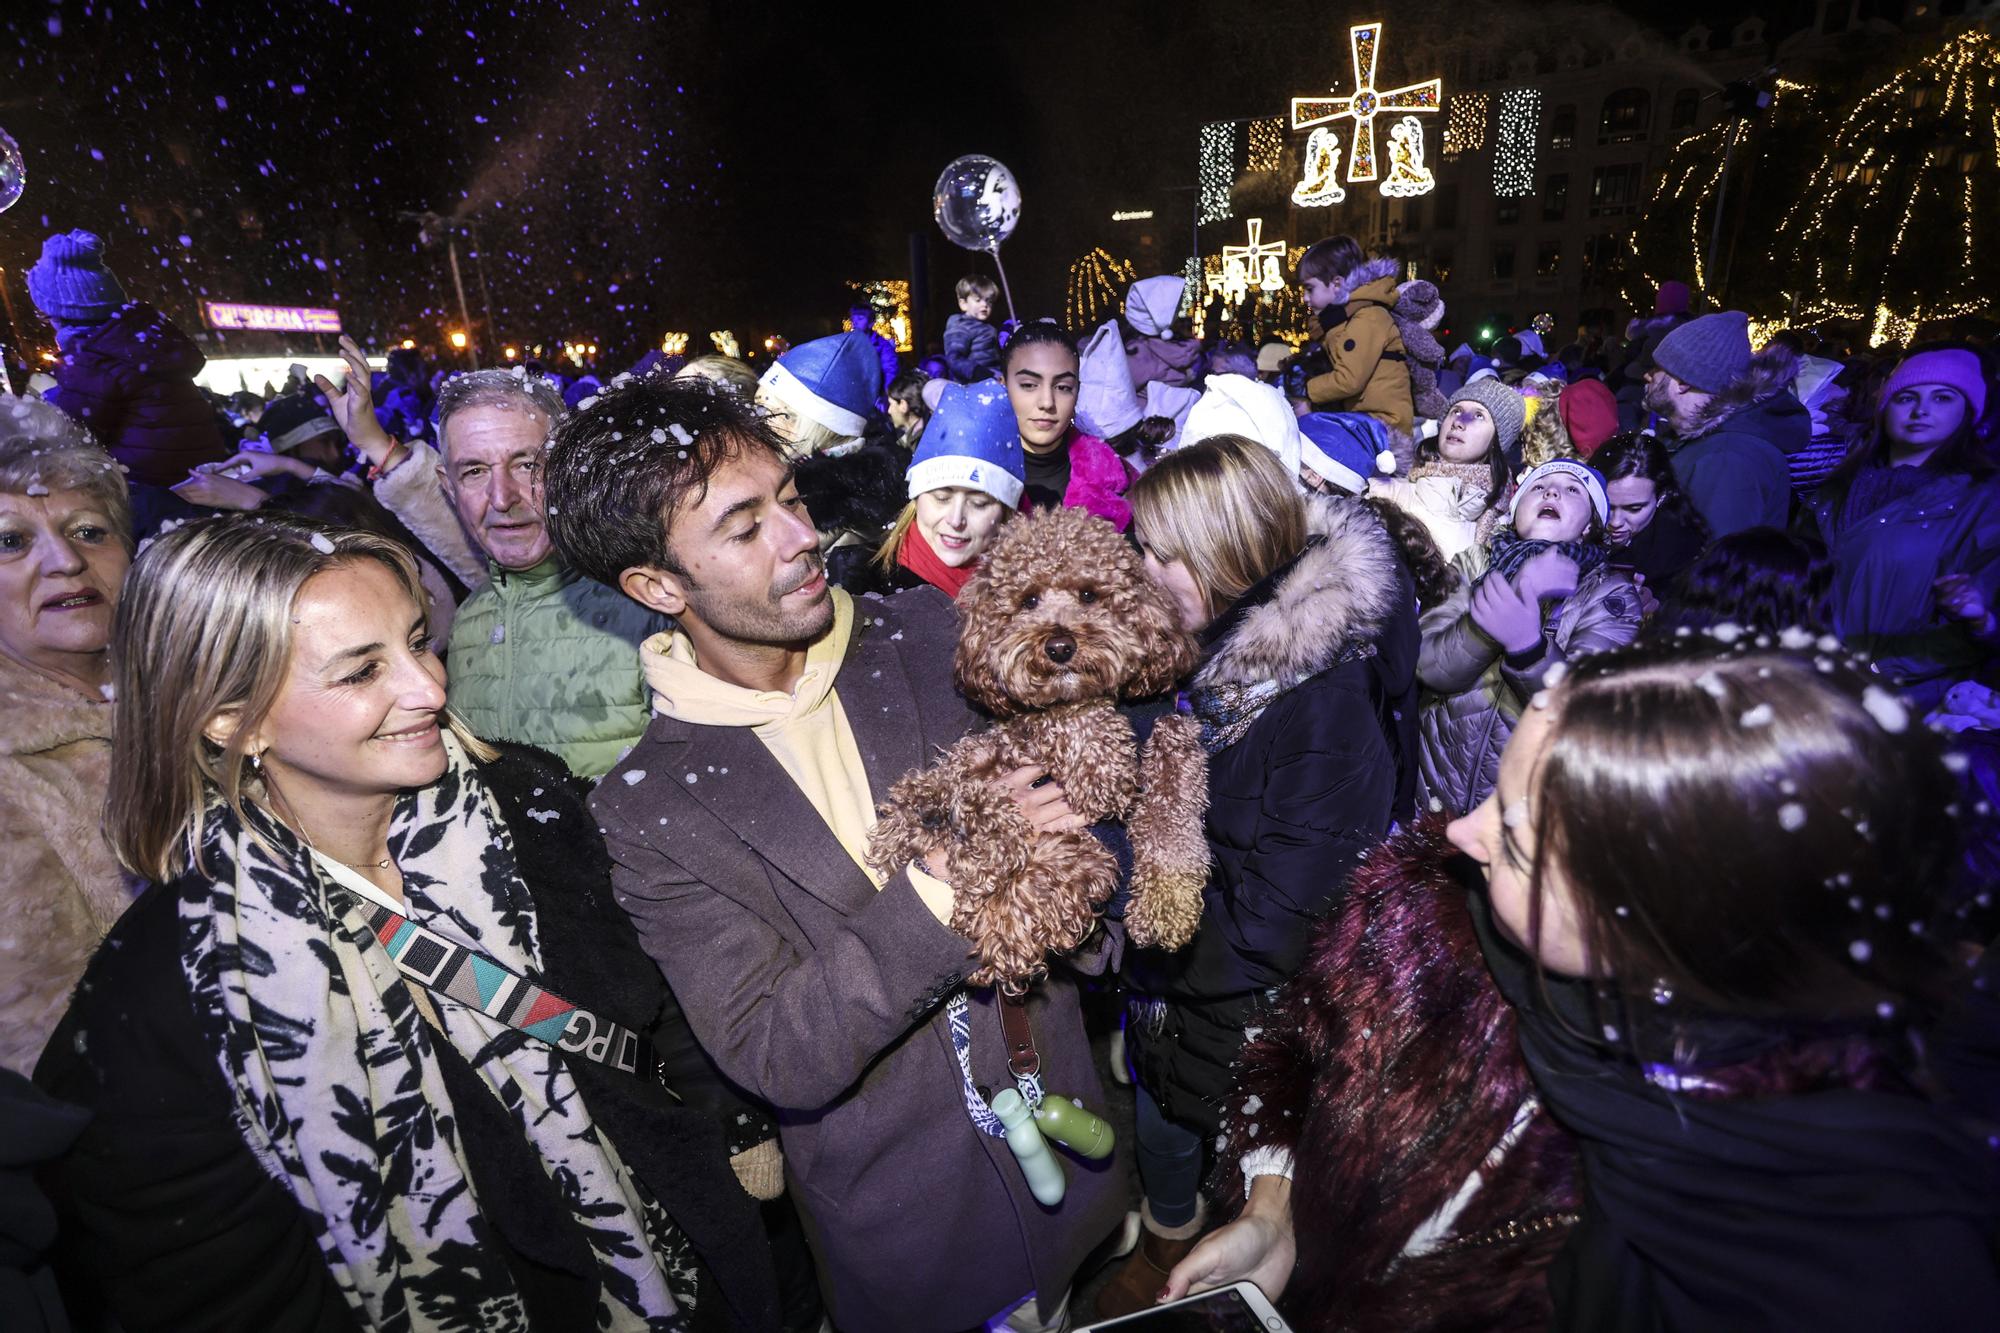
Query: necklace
[[299, 826]]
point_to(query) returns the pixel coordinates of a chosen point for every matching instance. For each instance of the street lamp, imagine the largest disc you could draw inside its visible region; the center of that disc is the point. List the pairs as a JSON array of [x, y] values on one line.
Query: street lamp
[[458, 339]]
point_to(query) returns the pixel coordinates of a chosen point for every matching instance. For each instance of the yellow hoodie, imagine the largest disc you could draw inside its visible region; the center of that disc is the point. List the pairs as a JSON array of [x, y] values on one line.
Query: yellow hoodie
[[806, 731]]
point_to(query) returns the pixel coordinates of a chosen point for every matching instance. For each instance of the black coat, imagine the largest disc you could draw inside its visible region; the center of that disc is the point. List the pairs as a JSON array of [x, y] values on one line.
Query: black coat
[[169, 1222], [1293, 804]]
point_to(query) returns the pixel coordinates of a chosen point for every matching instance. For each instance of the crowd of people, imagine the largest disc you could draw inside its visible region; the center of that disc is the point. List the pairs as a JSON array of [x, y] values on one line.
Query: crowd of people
[[438, 817]]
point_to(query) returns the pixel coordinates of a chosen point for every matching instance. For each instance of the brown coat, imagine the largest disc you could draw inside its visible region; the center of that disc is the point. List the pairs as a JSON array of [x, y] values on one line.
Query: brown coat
[[1371, 370], [823, 997], [63, 887]]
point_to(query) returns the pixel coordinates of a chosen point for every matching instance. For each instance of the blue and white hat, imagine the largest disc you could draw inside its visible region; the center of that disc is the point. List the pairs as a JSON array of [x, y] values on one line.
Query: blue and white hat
[[1593, 485], [972, 441], [1346, 448], [833, 381]]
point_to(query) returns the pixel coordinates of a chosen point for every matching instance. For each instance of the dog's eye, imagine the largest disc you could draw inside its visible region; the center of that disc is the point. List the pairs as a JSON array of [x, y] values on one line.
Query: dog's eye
[[1087, 596], [1031, 601]]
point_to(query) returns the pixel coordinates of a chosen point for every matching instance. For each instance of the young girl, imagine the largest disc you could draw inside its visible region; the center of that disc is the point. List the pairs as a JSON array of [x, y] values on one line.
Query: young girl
[[1064, 466], [1912, 520], [1541, 592], [1290, 598], [964, 483], [1354, 299], [1459, 484], [1652, 528], [1732, 1031]]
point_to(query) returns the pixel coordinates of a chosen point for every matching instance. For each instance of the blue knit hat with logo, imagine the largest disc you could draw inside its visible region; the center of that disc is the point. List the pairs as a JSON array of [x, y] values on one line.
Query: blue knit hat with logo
[[71, 282], [972, 441], [833, 381]]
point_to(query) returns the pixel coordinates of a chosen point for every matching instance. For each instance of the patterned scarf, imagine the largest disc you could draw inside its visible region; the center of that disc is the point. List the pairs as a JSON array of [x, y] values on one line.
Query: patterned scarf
[[1226, 712], [339, 1092], [1509, 550]]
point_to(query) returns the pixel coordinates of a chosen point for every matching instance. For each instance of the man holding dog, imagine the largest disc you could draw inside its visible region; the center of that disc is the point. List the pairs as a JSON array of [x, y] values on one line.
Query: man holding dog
[[738, 827]]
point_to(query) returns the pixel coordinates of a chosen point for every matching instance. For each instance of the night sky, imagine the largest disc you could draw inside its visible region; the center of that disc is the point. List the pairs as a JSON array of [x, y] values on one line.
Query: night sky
[[637, 168]]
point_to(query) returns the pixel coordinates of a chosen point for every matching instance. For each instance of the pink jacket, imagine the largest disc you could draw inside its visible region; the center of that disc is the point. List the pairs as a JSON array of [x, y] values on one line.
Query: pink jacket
[[1097, 480]]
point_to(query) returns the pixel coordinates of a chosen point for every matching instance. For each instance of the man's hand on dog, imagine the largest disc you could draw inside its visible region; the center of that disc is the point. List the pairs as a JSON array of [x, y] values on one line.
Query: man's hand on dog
[[1041, 799]]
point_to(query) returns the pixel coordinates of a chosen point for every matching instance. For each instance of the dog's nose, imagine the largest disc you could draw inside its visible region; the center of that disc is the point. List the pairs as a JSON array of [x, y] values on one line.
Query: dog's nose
[[1059, 647]]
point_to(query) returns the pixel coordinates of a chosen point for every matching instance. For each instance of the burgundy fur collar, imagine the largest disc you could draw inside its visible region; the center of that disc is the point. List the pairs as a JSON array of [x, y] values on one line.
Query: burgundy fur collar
[[1390, 1068]]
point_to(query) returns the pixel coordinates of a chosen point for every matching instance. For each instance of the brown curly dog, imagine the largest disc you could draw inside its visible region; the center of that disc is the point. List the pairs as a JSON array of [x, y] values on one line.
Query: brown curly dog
[[1060, 624]]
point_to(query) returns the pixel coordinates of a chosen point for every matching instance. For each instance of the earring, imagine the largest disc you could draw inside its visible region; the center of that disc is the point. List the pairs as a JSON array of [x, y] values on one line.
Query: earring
[[257, 760]]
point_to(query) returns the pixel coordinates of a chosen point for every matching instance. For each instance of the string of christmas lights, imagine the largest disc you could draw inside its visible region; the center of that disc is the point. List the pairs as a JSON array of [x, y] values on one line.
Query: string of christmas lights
[[1096, 290], [1465, 124], [1515, 142], [1267, 144], [1217, 170]]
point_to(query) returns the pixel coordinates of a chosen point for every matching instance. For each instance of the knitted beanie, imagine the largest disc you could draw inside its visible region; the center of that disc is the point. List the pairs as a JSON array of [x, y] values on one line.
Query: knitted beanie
[[1953, 367], [1509, 413], [71, 282], [1593, 485], [1590, 413], [1710, 353]]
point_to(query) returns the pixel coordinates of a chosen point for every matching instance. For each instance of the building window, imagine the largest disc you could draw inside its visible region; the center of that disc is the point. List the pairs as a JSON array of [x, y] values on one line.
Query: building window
[[1687, 109], [1441, 267], [1506, 211], [1555, 197], [1503, 261], [1623, 119], [1562, 129], [1548, 259], [1444, 211], [1614, 191], [1602, 256]]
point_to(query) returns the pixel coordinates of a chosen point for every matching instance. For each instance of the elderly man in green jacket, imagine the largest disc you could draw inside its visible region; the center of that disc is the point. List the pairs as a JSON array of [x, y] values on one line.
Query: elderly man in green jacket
[[538, 653]]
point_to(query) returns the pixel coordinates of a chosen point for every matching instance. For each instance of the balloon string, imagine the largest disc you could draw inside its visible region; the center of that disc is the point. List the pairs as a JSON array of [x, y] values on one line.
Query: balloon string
[[1005, 290]]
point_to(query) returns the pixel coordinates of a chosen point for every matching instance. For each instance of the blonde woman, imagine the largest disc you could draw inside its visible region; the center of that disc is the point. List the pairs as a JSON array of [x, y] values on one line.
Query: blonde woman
[[65, 542], [965, 481], [1308, 627], [355, 1057]]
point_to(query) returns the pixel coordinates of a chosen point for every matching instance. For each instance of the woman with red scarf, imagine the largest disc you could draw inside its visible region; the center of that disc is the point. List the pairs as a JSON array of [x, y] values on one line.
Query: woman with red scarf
[[965, 480]]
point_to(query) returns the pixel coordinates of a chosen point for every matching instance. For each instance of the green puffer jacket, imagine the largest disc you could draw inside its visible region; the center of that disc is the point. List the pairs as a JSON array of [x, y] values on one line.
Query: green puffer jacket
[[549, 658], [1473, 693]]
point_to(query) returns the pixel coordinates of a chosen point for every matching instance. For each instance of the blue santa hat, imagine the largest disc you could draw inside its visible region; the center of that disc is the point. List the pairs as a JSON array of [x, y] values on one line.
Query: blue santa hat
[[1346, 448], [833, 381], [973, 441]]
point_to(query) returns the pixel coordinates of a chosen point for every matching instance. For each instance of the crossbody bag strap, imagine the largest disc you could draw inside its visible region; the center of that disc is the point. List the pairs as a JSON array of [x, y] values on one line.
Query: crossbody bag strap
[[504, 995]]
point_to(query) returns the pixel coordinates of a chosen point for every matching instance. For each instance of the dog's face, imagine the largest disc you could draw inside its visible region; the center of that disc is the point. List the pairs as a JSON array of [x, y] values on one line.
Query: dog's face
[[1062, 612]]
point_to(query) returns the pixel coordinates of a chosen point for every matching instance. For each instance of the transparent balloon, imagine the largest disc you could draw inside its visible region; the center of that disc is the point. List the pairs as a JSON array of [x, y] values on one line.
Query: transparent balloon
[[977, 202], [13, 172]]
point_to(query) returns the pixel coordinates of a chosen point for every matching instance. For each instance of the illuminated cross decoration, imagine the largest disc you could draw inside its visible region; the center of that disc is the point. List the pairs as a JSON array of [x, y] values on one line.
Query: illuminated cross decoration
[[1365, 102], [1257, 264]]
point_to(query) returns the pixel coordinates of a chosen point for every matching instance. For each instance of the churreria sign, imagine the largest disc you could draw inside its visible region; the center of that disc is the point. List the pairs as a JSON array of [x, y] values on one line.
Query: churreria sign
[[278, 318]]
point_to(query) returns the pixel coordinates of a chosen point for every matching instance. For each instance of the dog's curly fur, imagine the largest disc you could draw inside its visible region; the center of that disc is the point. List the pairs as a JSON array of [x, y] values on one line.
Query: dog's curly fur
[[1059, 625]]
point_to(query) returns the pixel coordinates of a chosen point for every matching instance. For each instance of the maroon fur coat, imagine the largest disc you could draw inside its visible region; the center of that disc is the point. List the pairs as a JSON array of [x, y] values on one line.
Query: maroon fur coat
[[1389, 1067]]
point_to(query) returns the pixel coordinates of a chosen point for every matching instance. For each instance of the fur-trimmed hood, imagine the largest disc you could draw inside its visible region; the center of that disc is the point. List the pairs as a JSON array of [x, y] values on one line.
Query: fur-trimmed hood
[[1369, 271], [1339, 592]]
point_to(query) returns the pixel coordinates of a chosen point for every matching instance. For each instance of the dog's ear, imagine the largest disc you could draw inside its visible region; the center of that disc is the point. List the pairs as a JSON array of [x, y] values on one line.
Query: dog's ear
[[1165, 652], [980, 619]]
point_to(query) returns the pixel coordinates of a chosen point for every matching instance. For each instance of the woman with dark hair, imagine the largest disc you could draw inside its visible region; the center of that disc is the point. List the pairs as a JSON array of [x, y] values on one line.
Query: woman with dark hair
[[1760, 579], [1912, 520], [1730, 1033], [1065, 466], [1653, 530]]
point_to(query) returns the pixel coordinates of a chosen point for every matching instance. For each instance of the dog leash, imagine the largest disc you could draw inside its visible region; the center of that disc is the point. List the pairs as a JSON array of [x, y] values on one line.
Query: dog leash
[[1023, 1061]]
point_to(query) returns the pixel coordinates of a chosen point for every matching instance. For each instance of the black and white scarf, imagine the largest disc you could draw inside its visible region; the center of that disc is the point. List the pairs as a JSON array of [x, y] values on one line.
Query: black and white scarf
[[338, 1089]]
